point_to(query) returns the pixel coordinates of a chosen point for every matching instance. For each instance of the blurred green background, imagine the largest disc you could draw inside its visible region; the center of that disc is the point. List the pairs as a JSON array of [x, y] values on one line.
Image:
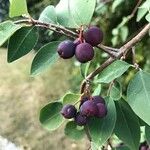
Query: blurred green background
[[22, 96]]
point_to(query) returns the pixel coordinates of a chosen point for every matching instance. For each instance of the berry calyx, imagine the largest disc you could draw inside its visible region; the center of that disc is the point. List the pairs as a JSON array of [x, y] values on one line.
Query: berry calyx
[[84, 52], [80, 119], [93, 35], [66, 49], [69, 111]]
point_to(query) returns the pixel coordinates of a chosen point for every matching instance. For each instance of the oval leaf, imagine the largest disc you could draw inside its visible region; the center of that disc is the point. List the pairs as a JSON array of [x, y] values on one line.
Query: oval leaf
[[21, 43], [63, 14], [80, 7], [17, 8], [70, 98], [113, 71], [138, 95], [69, 13], [7, 29], [50, 116], [127, 125], [48, 15], [101, 129], [45, 57], [73, 131], [116, 91]]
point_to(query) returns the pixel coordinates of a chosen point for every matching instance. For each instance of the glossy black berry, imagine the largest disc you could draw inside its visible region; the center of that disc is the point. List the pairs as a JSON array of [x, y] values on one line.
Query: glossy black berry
[[88, 108], [98, 99], [66, 49], [69, 111], [93, 35], [102, 110], [84, 52], [80, 119]]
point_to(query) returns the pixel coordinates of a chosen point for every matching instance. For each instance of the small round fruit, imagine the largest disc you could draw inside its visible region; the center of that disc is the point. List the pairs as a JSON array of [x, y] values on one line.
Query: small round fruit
[[84, 52], [66, 49], [69, 111], [88, 108], [93, 35], [102, 110], [84, 99], [80, 119], [98, 99]]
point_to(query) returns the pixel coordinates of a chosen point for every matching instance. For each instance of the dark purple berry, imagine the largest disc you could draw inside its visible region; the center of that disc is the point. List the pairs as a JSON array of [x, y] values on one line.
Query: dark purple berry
[[66, 49], [93, 36], [84, 99], [69, 111], [102, 110], [98, 99], [88, 108], [84, 52], [80, 119], [77, 42]]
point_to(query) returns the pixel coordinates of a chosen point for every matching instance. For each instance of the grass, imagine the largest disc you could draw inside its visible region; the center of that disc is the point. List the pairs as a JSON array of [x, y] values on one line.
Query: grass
[[21, 98]]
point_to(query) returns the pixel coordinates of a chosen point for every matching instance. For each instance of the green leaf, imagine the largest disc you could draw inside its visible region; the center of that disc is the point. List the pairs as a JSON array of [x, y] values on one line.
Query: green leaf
[[21, 43], [48, 15], [45, 57], [73, 131], [50, 116], [84, 69], [80, 7], [147, 134], [127, 125], [141, 13], [63, 14], [70, 98], [17, 8], [116, 91], [97, 90], [101, 129], [124, 31], [113, 71], [69, 13], [138, 95], [148, 17], [7, 29], [115, 4]]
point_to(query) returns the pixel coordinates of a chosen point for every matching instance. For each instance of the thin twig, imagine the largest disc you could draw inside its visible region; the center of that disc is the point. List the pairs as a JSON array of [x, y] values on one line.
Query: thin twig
[[53, 27], [135, 9]]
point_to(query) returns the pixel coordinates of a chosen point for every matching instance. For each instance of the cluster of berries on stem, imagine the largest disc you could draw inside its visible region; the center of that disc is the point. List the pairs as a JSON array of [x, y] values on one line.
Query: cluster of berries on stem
[[82, 47], [89, 107]]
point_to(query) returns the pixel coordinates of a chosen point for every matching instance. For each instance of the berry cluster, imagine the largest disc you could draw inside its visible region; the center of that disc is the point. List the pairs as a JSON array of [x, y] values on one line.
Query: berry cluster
[[82, 47], [89, 107]]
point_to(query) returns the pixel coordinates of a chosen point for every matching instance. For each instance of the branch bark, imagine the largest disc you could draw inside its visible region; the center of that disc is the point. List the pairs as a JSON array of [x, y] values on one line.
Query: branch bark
[[124, 49]]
